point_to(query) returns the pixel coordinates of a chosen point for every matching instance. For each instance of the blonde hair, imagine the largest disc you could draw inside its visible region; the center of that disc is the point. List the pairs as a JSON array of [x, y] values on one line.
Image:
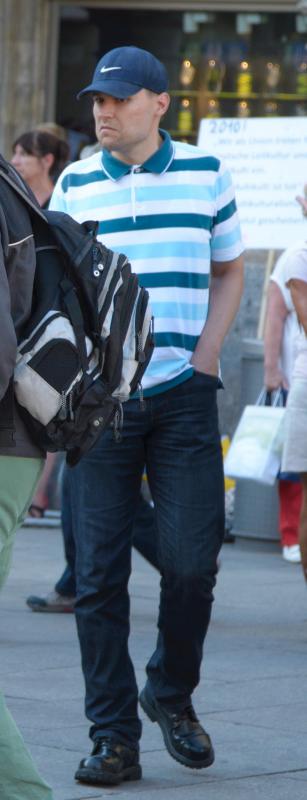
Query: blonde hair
[[53, 128]]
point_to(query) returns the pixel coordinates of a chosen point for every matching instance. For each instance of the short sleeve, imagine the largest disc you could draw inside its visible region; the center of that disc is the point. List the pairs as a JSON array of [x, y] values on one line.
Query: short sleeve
[[226, 243]]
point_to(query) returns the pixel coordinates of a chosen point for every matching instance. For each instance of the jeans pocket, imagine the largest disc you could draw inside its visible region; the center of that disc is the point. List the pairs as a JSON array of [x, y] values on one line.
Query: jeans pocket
[[207, 381]]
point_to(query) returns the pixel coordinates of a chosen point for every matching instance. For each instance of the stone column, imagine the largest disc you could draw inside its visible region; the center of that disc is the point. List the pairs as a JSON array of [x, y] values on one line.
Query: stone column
[[28, 58]]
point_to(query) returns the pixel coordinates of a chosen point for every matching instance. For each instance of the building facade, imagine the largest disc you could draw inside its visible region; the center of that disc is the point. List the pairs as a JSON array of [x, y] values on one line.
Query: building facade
[[225, 58]]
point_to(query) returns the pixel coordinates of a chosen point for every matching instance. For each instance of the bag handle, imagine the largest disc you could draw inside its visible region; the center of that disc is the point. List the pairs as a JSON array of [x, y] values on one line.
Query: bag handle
[[265, 398]]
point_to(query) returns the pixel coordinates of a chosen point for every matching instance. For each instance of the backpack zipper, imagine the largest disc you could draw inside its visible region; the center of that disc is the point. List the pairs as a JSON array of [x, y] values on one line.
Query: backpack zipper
[[147, 350], [66, 410], [118, 423], [62, 413], [141, 399]]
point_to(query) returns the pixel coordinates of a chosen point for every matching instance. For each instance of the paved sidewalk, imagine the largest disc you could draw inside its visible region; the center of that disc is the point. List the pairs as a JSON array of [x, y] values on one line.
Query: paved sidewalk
[[252, 697]]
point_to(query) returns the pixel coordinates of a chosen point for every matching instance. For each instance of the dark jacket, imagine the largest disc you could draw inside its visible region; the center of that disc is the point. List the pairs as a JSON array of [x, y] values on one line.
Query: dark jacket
[[17, 267]]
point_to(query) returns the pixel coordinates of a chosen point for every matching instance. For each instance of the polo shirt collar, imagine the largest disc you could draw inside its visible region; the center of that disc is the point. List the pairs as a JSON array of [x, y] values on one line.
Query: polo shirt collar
[[158, 163]]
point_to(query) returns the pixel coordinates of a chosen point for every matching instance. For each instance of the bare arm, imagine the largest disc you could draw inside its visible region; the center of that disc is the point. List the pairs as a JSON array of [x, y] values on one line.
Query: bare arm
[[225, 295], [298, 291], [276, 314]]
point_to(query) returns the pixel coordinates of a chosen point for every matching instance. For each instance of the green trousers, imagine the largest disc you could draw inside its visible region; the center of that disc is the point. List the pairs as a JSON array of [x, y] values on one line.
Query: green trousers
[[19, 779]]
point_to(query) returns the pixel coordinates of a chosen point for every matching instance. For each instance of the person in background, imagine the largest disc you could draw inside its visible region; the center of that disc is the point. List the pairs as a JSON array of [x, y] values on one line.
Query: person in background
[[281, 329], [294, 457], [21, 462], [39, 156], [171, 208], [89, 150], [62, 598]]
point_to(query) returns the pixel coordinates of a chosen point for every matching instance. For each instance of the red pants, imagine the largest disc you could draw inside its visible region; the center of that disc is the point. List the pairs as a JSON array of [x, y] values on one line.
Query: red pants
[[290, 501]]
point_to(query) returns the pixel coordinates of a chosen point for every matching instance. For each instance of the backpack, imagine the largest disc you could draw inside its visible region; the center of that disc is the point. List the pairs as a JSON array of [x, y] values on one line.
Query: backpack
[[89, 339]]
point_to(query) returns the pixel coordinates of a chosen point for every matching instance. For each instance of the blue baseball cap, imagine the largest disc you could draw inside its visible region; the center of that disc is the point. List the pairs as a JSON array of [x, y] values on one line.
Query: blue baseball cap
[[124, 71]]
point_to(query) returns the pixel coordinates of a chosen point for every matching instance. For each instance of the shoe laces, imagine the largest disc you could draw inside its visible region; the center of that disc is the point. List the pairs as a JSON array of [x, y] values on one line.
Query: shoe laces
[[186, 713], [104, 741]]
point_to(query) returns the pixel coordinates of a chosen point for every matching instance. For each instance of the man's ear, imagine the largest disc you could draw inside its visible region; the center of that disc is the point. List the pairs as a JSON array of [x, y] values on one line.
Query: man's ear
[[163, 103]]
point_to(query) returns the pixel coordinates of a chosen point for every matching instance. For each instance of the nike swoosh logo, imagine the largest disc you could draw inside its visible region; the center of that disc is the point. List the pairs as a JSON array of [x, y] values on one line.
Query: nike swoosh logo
[[108, 69]]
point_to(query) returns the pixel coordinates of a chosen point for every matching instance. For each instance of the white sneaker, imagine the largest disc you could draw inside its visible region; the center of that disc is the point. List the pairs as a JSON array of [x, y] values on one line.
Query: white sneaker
[[292, 554]]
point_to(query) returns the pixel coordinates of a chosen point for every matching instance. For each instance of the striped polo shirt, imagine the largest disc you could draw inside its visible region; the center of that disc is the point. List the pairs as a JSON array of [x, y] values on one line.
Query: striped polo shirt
[[170, 215]]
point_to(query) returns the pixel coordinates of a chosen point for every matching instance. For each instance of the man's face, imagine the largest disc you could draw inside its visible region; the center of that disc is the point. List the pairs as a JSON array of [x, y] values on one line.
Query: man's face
[[123, 125]]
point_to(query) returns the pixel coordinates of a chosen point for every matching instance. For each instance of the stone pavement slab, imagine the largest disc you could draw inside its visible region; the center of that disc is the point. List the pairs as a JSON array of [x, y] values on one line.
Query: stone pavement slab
[[252, 695]]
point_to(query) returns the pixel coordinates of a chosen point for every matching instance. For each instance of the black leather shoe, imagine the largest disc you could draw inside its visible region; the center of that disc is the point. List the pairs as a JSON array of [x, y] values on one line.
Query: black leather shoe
[[110, 763], [184, 737]]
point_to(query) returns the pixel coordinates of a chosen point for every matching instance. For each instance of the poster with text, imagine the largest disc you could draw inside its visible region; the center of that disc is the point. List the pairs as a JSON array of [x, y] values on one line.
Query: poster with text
[[268, 162]]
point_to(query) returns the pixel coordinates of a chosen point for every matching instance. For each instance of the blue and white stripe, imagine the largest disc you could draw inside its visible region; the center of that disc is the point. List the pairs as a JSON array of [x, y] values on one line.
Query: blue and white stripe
[[170, 216]]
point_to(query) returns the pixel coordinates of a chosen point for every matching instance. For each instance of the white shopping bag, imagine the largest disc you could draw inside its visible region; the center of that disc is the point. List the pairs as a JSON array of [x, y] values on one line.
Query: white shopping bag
[[256, 447]]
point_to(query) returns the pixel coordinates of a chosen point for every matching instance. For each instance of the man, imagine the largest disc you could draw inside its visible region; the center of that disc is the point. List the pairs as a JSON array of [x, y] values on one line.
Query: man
[[21, 462], [171, 209]]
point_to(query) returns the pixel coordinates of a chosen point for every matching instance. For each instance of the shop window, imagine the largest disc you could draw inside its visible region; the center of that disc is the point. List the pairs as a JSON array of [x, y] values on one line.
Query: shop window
[[240, 65]]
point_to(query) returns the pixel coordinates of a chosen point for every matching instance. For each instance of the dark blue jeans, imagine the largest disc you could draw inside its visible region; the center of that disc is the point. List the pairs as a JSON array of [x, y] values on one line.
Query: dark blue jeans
[[144, 536], [66, 585], [177, 438]]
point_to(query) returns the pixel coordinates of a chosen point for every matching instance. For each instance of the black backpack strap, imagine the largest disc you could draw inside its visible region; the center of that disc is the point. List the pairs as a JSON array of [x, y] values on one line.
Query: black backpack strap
[[7, 427], [73, 307]]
